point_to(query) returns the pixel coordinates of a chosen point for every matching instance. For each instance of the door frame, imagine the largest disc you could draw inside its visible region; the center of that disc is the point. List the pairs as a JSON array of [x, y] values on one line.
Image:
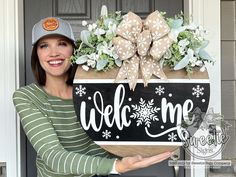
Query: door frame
[[202, 12], [11, 52], [12, 62]]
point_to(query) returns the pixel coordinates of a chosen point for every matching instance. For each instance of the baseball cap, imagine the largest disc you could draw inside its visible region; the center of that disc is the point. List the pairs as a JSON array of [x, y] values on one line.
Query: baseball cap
[[51, 25]]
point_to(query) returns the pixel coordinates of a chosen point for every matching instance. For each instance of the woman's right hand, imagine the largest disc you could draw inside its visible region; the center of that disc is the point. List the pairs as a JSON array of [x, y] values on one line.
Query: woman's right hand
[[132, 163]]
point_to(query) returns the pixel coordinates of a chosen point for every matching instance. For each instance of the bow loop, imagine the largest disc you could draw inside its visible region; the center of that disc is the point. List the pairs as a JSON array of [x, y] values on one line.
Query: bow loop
[[130, 27], [157, 25], [159, 47], [124, 48]]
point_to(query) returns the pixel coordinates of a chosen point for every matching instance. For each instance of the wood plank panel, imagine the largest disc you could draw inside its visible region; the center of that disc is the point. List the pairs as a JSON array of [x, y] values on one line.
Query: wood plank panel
[[228, 20], [228, 99], [228, 60], [230, 148]]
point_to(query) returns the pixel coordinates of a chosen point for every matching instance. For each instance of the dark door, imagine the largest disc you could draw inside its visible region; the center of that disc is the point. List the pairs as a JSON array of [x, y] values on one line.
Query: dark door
[[75, 11]]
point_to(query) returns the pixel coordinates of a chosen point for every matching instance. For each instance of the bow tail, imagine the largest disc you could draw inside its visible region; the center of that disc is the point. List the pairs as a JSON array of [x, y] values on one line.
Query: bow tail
[[158, 71], [123, 71], [150, 67], [129, 70]]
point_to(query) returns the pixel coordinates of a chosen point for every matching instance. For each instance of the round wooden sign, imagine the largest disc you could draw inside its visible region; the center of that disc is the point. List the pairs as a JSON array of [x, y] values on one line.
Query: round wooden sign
[[145, 121]]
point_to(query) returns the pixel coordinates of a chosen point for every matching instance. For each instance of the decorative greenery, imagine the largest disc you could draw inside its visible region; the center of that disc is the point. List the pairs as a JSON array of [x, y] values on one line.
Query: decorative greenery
[[95, 49], [188, 50]]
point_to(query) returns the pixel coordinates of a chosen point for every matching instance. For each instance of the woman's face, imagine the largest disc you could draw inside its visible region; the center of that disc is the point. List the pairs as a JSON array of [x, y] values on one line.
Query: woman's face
[[54, 52]]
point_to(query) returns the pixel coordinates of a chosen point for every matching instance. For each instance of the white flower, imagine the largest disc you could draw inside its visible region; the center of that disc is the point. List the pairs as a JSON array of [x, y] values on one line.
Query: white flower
[[92, 60], [183, 43], [191, 26], [91, 27], [203, 68], [94, 25], [114, 55], [193, 63], [118, 12], [93, 56], [85, 67], [193, 59], [84, 23], [182, 46], [200, 32], [199, 63], [99, 31], [91, 63]]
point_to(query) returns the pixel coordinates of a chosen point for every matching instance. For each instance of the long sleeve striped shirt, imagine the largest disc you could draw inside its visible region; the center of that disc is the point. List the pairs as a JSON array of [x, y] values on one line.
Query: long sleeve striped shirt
[[63, 148]]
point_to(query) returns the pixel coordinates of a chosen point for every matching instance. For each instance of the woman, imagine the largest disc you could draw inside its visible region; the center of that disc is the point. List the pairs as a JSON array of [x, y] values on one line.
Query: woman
[[48, 116]]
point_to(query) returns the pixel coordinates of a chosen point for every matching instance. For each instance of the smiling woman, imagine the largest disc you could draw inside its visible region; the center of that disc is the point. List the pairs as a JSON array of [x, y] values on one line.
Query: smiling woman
[[51, 44]]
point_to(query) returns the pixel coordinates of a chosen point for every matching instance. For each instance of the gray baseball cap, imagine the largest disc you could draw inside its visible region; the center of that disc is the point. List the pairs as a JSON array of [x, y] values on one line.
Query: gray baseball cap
[[51, 25]]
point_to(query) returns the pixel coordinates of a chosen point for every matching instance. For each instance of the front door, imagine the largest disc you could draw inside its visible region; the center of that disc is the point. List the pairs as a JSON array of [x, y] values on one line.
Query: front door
[[75, 11]]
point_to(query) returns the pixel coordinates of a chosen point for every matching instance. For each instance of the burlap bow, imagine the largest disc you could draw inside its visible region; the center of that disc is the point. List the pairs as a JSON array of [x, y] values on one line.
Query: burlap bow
[[141, 45]]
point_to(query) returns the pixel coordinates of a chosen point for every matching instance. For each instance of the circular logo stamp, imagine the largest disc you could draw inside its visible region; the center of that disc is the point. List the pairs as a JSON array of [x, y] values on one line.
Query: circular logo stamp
[[50, 24], [211, 135]]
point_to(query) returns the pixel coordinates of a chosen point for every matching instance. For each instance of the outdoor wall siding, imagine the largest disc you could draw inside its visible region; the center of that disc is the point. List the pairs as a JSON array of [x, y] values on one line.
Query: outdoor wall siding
[[228, 74], [228, 60], [228, 20]]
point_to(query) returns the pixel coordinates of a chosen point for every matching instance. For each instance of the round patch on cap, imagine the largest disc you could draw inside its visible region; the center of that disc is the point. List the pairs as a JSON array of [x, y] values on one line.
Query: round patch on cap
[[50, 24]]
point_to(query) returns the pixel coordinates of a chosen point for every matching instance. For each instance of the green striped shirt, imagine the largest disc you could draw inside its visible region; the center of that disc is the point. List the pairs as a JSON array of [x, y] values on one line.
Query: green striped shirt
[[63, 148]]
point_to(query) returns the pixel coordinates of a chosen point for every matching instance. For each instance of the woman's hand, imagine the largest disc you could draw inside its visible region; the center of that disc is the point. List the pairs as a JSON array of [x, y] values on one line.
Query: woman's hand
[[132, 163]]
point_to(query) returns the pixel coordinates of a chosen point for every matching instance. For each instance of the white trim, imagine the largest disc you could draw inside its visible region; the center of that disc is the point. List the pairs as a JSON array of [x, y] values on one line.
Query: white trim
[[207, 14], [88, 81], [21, 161], [9, 52], [140, 143]]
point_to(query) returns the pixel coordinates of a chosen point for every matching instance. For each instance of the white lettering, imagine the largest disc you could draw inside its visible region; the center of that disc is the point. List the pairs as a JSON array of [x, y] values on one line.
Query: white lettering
[[121, 121], [175, 113]]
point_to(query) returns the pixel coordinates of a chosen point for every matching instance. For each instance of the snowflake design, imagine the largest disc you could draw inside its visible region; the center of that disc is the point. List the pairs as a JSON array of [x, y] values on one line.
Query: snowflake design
[[106, 134], [142, 41], [172, 137], [127, 33], [145, 112], [159, 90], [198, 91], [80, 90]]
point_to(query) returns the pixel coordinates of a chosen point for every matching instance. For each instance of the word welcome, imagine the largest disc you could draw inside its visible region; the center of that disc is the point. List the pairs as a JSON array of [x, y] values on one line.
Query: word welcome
[[116, 114]]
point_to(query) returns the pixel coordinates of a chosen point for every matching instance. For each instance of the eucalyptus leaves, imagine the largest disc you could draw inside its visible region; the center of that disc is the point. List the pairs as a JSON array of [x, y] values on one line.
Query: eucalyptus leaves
[[188, 50], [95, 49]]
